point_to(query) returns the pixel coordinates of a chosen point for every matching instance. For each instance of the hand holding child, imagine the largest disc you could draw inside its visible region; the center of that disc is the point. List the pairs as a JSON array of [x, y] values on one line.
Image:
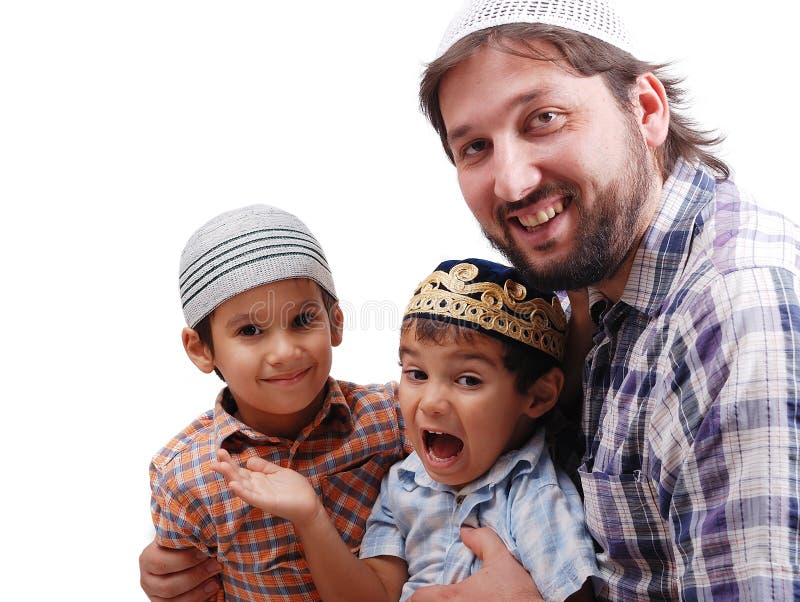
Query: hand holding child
[[280, 491]]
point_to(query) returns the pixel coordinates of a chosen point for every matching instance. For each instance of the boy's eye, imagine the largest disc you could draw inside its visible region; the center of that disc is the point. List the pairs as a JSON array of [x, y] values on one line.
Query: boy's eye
[[250, 330], [304, 319], [468, 381], [414, 374]]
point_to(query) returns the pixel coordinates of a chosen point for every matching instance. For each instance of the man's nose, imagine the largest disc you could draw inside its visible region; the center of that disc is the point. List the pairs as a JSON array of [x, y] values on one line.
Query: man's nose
[[516, 169]]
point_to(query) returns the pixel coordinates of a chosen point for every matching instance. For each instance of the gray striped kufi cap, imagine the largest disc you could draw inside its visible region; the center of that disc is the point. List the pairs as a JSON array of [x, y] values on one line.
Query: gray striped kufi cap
[[245, 248]]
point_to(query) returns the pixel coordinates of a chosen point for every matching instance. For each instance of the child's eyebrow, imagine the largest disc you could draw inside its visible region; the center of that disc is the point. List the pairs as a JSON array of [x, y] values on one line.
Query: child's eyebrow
[[461, 356], [481, 357], [467, 355], [238, 319], [406, 351]]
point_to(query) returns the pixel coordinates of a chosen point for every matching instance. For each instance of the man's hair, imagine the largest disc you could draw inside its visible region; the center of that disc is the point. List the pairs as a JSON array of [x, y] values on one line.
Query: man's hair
[[203, 327], [587, 56], [524, 362]]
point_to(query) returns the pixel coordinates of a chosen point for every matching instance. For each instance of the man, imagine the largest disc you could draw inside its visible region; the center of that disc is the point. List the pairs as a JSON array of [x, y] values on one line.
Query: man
[[572, 156]]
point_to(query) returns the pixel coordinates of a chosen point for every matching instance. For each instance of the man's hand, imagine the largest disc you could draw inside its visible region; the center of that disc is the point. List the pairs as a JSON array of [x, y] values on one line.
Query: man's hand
[[177, 575], [500, 578]]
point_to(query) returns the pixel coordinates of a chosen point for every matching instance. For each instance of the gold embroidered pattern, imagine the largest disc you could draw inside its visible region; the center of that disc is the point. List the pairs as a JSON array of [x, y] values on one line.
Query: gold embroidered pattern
[[536, 323]]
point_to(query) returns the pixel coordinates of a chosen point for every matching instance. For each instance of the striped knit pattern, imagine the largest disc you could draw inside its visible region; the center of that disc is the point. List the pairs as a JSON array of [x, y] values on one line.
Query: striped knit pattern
[[245, 248]]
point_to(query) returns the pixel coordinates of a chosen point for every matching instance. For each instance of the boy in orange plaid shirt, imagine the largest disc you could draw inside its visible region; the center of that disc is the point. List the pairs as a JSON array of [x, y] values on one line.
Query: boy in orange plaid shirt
[[262, 312]]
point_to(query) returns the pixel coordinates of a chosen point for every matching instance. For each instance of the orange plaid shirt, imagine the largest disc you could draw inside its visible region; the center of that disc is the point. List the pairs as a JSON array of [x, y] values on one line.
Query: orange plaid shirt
[[345, 452]]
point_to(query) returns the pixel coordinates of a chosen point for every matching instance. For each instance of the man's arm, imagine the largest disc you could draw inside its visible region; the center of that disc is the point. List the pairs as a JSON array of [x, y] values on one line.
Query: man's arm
[[337, 573], [177, 575], [733, 505]]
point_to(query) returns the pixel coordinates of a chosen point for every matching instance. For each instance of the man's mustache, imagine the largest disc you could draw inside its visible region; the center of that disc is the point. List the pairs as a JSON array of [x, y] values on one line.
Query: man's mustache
[[568, 191]]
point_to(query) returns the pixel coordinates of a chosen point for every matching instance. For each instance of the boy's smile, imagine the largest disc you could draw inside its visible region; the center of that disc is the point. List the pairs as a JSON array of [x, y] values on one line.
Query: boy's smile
[[460, 405]]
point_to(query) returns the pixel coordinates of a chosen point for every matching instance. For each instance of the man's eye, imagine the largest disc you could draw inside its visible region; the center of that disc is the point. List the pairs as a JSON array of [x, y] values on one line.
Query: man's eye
[[544, 119], [468, 381], [473, 148], [250, 330]]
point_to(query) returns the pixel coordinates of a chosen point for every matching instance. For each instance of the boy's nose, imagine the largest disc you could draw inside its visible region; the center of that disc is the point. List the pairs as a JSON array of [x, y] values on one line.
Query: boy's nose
[[434, 401], [281, 348]]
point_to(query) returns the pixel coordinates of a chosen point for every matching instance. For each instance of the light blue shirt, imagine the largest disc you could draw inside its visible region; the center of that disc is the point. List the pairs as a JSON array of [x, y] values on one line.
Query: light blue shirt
[[534, 508]]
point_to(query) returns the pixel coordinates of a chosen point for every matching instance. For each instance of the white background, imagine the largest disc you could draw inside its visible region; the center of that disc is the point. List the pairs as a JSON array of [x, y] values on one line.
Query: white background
[[125, 125]]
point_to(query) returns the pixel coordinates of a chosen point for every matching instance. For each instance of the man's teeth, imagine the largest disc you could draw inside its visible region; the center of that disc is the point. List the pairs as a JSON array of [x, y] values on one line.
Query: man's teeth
[[540, 217]]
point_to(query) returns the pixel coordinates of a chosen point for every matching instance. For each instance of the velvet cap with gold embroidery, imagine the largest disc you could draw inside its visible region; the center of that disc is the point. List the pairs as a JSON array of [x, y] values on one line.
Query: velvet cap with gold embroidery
[[491, 298]]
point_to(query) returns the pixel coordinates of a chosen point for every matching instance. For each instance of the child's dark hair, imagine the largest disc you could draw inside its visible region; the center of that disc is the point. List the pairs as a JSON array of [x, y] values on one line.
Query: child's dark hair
[[203, 327], [526, 363]]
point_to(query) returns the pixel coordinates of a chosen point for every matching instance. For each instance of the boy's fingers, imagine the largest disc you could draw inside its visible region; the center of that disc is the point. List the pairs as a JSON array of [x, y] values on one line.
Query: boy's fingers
[[226, 470], [261, 465]]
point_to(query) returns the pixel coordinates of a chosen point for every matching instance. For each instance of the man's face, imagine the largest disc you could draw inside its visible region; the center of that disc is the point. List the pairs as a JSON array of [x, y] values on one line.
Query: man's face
[[554, 171]]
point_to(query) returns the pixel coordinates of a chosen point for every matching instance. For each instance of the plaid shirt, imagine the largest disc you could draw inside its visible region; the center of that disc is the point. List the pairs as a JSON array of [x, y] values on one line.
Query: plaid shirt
[[344, 452], [534, 508], [691, 417]]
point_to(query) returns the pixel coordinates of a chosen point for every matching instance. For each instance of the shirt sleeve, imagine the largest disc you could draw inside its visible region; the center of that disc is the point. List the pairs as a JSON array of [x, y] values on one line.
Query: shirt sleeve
[[179, 520], [549, 532], [382, 537], [730, 480]]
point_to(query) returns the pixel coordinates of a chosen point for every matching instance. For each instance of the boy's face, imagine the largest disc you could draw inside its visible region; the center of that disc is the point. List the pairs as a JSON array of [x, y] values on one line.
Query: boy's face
[[273, 346], [460, 405]]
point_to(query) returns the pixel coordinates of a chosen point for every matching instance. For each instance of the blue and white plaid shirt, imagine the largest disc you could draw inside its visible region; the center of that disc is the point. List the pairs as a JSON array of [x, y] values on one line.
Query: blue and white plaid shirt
[[691, 418], [534, 508]]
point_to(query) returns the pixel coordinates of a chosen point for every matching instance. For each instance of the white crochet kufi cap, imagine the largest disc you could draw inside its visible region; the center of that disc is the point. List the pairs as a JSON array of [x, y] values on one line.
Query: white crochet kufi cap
[[596, 18], [245, 248]]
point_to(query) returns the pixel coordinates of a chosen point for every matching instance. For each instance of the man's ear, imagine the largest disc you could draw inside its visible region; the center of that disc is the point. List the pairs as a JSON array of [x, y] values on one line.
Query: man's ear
[[651, 108], [544, 392], [337, 325], [197, 350]]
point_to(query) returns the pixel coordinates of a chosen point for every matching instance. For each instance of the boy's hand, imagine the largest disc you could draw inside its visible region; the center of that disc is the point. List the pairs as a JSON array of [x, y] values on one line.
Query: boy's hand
[[280, 491]]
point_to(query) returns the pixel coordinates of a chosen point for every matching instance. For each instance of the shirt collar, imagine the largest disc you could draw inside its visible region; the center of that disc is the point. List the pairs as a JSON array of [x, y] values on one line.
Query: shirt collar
[[334, 407], [662, 252], [412, 473]]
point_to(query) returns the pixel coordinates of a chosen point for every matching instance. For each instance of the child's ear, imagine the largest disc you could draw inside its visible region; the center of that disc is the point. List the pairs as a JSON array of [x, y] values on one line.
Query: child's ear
[[337, 325], [544, 392], [197, 350]]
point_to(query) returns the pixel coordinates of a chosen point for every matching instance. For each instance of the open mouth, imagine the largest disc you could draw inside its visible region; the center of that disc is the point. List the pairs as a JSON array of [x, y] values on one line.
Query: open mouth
[[442, 447]]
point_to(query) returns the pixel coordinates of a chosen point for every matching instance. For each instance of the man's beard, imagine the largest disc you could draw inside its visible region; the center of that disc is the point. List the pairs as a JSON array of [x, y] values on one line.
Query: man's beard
[[604, 237]]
